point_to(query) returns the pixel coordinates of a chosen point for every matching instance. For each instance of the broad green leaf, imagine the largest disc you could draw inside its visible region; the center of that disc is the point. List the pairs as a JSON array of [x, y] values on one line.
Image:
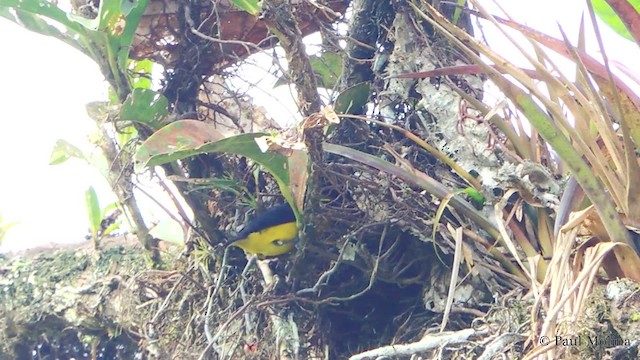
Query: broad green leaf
[[168, 230], [125, 135], [108, 209], [250, 6], [128, 5], [133, 11], [106, 39], [141, 73], [114, 29], [186, 138], [30, 14], [43, 8], [113, 96], [36, 23], [93, 210], [353, 99], [111, 228], [328, 67], [145, 106], [62, 151]]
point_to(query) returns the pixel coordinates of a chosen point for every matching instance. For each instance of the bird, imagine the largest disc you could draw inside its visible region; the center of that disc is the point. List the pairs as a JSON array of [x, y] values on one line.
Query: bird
[[272, 233]]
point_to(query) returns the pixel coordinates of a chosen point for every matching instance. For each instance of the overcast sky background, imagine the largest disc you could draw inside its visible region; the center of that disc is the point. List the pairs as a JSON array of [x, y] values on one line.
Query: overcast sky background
[[43, 91]]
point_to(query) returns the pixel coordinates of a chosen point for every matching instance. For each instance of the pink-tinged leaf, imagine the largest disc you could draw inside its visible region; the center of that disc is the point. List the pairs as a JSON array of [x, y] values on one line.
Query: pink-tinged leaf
[[609, 17], [178, 136], [560, 47], [629, 17], [186, 138]]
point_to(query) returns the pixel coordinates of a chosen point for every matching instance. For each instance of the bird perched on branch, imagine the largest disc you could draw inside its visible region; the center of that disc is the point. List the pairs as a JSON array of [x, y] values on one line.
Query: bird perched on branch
[[271, 233]]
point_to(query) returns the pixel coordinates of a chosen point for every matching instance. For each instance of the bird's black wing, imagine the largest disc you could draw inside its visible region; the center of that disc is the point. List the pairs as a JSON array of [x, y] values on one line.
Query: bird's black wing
[[277, 215]]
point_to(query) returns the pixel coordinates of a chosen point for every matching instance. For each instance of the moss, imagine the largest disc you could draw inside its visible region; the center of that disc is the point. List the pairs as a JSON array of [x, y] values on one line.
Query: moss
[[54, 304]]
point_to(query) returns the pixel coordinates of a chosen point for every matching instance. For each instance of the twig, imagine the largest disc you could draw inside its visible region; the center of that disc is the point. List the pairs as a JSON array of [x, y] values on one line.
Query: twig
[[174, 199], [457, 257], [208, 315], [223, 327], [425, 344], [278, 16], [166, 300], [372, 278], [189, 20], [498, 345], [164, 208], [219, 109], [334, 268], [247, 316]]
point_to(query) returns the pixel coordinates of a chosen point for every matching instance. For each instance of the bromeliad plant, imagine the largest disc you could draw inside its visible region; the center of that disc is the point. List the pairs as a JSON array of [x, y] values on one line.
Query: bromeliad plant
[[591, 123]]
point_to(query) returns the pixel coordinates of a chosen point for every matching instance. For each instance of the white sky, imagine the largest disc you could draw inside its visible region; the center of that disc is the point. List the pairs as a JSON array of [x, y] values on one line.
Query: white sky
[[44, 88]]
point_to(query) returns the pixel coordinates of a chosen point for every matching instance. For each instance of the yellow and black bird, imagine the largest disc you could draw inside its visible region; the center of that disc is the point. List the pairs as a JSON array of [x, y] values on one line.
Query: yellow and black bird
[[271, 233]]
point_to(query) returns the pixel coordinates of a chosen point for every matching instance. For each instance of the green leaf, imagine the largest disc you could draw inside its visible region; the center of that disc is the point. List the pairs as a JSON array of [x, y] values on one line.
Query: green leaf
[[43, 8], [108, 209], [476, 197], [353, 99], [250, 6], [93, 210], [113, 31], [328, 67], [133, 11], [168, 230], [63, 151], [145, 106], [125, 135], [128, 5], [111, 228], [141, 73], [186, 138], [461, 4], [609, 16], [29, 14]]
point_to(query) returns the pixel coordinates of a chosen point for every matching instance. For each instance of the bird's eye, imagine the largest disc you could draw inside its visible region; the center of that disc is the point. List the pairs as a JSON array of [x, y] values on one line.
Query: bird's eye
[[278, 242]]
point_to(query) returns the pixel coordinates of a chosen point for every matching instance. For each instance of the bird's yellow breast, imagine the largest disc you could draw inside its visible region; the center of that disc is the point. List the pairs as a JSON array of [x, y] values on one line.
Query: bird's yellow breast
[[271, 241]]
